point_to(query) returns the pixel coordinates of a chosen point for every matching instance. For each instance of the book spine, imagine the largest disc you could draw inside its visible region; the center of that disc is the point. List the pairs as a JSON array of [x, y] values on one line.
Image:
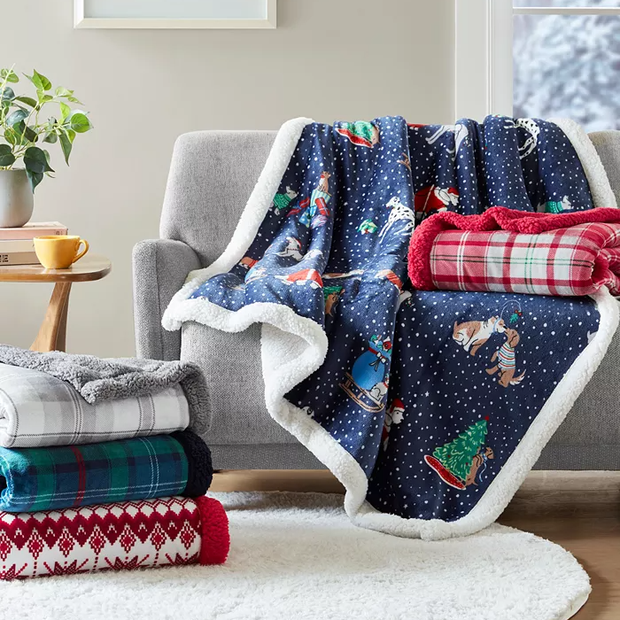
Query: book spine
[[23, 245], [18, 258], [18, 234]]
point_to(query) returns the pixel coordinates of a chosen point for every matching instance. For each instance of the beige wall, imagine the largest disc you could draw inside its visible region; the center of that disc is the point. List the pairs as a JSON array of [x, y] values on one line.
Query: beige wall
[[329, 59]]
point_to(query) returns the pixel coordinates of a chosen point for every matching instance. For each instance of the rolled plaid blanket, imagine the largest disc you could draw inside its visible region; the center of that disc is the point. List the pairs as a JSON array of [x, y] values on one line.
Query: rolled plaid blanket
[[120, 536], [503, 250], [38, 409], [99, 380], [131, 469]]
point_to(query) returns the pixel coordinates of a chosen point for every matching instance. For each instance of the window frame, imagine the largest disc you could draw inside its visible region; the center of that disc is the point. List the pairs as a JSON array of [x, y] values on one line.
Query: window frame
[[483, 60]]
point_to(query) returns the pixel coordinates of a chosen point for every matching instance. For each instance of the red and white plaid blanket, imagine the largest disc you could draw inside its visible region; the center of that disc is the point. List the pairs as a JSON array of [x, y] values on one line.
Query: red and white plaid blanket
[[516, 252]]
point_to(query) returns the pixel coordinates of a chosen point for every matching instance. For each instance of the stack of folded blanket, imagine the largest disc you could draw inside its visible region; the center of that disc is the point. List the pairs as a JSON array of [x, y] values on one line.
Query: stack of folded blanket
[[101, 466]]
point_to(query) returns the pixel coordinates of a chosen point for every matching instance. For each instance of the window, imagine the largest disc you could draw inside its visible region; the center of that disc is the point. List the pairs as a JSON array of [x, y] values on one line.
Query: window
[[543, 58]]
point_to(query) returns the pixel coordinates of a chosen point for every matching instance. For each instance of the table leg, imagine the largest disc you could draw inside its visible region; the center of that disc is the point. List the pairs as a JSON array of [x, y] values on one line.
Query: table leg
[[53, 331]]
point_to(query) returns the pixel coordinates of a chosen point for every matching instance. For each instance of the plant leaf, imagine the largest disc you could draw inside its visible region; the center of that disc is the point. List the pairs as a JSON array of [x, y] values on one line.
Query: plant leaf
[[9, 75], [40, 81], [35, 160], [10, 136], [6, 156], [16, 117], [8, 94], [78, 121], [35, 178], [51, 137], [25, 133], [66, 145], [31, 135], [27, 100], [65, 111], [61, 91]]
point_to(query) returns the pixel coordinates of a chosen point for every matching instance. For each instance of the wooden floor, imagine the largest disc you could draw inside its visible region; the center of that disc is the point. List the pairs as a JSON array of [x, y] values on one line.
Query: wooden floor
[[578, 510]]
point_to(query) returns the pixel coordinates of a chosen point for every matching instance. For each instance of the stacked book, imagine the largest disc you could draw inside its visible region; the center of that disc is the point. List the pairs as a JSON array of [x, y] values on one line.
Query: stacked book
[[17, 244]]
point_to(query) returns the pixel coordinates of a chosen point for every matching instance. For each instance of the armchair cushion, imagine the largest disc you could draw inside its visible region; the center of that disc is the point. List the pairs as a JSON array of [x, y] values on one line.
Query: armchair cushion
[[211, 177]]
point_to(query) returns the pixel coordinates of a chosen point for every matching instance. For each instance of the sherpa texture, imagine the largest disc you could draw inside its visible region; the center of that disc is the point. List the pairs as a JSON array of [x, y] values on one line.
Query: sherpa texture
[[425, 258], [39, 410], [295, 346], [255, 210], [600, 188], [214, 531], [115, 471], [98, 379], [199, 465], [297, 556]]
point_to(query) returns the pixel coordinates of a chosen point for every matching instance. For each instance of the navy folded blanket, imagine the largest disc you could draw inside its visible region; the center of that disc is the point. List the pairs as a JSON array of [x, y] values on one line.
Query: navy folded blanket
[[115, 471]]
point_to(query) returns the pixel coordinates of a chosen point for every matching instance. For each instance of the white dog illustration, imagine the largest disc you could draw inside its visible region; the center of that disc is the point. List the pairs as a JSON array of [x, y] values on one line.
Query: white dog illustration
[[292, 249], [473, 334]]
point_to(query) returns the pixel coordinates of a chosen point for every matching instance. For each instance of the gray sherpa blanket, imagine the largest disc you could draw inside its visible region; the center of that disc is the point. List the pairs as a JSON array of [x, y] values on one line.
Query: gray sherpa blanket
[[98, 380]]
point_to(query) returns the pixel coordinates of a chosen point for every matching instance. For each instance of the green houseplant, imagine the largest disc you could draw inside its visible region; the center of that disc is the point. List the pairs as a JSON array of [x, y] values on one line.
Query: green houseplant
[[28, 126]]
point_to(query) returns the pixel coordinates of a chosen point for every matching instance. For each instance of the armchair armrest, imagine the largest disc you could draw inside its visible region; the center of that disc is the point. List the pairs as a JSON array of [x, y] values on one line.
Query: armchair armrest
[[160, 267], [607, 145]]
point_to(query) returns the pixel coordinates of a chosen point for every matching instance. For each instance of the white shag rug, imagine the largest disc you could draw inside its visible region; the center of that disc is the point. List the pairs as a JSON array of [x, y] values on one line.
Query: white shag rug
[[297, 555]]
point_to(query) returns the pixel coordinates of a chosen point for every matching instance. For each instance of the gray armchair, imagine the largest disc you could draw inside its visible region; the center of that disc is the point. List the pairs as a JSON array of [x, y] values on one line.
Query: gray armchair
[[211, 177]]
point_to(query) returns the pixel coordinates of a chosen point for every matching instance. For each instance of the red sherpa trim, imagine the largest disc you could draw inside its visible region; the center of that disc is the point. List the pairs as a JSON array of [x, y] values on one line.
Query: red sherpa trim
[[214, 533], [495, 218]]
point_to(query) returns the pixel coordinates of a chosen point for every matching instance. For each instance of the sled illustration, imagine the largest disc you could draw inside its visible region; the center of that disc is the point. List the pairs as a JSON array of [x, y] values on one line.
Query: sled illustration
[[360, 396], [443, 473]]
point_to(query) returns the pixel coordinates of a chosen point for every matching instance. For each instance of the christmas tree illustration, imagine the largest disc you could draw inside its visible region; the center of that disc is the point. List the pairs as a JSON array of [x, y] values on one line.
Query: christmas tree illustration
[[360, 133], [457, 462]]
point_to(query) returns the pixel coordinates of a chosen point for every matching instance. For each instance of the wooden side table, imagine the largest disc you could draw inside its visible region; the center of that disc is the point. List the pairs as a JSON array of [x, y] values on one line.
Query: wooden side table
[[52, 334]]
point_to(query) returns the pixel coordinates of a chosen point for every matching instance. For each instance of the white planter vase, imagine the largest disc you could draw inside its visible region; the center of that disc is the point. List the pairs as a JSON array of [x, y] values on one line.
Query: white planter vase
[[16, 198]]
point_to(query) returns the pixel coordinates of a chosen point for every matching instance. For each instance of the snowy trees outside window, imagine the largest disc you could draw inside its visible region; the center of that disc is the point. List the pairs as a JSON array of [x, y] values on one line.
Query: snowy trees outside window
[[568, 65]]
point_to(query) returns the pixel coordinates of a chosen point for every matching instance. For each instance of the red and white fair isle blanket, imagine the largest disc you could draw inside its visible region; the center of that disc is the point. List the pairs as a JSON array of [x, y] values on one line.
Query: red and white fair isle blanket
[[121, 536], [518, 252]]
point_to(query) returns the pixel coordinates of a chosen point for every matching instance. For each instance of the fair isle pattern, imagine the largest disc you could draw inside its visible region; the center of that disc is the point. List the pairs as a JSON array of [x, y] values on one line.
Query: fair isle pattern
[[568, 261], [120, 536]]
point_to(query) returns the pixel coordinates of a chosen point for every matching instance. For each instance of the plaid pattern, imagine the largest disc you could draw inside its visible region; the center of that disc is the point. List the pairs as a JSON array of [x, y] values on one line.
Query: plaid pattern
[[568, 261], [37, 409], [115, 471]]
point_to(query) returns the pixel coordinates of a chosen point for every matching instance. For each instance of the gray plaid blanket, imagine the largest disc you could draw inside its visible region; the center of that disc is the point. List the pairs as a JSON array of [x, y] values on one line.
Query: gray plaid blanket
[[60, 399], [37, 410]]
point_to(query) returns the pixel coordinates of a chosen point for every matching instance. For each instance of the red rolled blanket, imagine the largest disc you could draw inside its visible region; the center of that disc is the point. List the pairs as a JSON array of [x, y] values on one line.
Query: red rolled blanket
[[121, 536], [503, 250]]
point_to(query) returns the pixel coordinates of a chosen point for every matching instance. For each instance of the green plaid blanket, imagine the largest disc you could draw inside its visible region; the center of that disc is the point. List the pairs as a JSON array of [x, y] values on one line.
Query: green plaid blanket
[[114, 471]]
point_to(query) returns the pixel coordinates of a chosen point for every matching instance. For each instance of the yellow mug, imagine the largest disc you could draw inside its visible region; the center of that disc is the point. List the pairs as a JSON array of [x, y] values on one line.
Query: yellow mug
[[59, 251]]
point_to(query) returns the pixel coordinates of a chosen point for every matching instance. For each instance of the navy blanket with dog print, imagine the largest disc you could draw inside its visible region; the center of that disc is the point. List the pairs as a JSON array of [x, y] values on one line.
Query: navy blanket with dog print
[[430, 407]]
